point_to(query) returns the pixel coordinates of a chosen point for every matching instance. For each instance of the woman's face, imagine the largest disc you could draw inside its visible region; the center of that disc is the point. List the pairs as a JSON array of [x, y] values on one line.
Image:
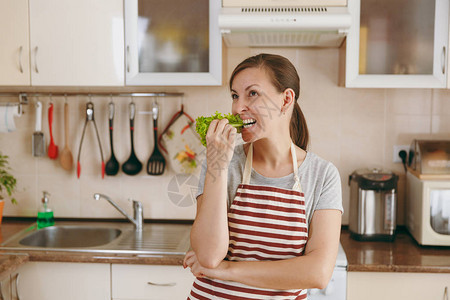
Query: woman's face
[[257, 102]]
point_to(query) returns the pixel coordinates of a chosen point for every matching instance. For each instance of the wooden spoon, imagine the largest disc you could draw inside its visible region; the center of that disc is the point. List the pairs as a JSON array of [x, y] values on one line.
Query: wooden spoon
[[66, 158]]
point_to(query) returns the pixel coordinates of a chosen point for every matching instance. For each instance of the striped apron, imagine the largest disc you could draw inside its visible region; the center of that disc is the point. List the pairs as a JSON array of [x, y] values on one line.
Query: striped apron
[[265, 223]]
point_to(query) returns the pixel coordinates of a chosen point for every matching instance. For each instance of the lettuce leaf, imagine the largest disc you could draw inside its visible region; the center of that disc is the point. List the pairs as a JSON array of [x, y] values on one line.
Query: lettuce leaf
[[202, 124]]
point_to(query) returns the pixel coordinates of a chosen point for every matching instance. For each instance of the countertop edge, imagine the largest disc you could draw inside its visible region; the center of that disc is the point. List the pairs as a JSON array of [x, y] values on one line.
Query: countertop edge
[[397, 269], [12, 263], [89, 257]]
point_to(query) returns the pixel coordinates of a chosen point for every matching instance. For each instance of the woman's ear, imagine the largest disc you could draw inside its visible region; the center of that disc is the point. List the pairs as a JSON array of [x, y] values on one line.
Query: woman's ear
[[288, 99]]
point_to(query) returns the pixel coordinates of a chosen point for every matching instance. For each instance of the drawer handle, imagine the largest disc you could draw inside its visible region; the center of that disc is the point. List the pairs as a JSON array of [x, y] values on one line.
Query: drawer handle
[[162, 284], [17, 286], [445, 294], [1, 291]]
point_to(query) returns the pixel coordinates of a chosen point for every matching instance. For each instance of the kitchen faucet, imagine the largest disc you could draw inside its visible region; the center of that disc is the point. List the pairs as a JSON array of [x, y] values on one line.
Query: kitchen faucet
[[137, 208]]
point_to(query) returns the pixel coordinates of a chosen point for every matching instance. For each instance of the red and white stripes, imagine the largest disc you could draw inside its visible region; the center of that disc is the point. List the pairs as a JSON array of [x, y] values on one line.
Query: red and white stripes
[[265, 223]]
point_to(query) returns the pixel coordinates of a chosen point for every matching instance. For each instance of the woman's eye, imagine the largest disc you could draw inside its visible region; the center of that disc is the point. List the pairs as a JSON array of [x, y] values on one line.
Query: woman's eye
[[253, 93], [234, 96]]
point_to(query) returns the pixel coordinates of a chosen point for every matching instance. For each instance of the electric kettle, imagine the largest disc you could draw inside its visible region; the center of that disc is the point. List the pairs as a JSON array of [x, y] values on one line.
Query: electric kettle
[[373, 203]]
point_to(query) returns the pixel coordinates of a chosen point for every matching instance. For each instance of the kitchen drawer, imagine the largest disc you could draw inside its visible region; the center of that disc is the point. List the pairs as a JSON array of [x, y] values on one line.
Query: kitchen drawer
[[132, 282]]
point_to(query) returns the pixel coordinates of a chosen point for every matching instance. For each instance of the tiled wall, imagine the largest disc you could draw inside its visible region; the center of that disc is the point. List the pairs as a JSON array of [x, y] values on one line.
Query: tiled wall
[[353, 128]]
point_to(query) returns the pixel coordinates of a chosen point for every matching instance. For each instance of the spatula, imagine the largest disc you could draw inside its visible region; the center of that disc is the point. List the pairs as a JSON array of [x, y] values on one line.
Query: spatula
[[156, 163], [38, 139], [66, 158], [52, 148]]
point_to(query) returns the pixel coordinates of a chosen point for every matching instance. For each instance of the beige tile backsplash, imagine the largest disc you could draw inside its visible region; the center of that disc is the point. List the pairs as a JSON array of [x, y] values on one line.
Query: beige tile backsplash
[[353, 128]]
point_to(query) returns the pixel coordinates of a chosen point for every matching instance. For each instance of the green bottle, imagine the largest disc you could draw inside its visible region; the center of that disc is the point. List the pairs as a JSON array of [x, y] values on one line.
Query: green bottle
[[45, 213]]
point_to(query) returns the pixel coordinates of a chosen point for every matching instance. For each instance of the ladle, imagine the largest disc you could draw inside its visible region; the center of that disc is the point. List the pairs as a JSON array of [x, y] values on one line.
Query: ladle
[[112, 166], [132, 166]]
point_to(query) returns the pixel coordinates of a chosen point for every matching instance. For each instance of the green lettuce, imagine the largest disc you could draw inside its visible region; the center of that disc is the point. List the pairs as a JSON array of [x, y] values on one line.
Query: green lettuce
[[202, 124]]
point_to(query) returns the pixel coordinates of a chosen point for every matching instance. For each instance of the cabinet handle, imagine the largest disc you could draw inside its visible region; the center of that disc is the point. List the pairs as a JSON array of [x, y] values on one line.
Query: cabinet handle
[[128, 59], [445, 294], [16, 282], [35, 60], [20, 59], [443, 59], [1, 291], [162, 284]]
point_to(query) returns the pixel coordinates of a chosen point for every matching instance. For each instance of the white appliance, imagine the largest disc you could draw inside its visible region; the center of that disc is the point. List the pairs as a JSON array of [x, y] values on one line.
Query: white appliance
[[428, 210], [284, 23], [428, 192], [337, 287]]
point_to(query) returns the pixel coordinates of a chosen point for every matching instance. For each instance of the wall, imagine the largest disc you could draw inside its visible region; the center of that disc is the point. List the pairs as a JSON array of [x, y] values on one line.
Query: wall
[[353, 128]]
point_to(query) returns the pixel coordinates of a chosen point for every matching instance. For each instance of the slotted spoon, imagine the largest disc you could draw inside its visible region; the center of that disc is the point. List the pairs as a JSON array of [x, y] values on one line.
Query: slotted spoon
[[156, 163]]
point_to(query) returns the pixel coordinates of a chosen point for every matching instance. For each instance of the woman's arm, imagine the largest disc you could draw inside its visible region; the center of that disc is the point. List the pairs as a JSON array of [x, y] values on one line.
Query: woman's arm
[[209, 233], [312, 270]]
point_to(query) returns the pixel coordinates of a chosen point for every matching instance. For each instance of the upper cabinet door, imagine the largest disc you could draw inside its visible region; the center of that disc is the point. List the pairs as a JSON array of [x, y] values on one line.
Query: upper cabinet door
[[173, 42], [397, 44], [14, 49], [76, 42]]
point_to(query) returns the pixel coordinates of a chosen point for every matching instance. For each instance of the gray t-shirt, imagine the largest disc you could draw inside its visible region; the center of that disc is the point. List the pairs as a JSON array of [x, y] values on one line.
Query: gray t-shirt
[[319, 179]]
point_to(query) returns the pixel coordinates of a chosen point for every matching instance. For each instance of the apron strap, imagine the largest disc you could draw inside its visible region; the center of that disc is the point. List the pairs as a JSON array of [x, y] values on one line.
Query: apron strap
[[297, 186], [248, 167]]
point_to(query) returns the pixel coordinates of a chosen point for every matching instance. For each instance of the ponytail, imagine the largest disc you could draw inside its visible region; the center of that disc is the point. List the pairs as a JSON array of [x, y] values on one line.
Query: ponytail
[[298, 128]]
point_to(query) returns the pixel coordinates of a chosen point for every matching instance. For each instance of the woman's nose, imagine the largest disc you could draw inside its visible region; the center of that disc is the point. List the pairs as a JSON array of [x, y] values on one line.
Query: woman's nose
[[239, 106]]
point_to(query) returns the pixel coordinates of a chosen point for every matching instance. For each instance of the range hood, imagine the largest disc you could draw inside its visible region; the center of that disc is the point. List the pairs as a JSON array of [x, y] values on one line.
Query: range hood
[[284, 26]]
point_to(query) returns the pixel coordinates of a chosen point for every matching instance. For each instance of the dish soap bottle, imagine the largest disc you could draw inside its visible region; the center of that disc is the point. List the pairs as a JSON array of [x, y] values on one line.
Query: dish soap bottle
[[45, 213]]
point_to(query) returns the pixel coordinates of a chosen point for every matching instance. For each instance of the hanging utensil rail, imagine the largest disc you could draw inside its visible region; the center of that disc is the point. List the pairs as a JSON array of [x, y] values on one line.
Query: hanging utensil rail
[[23, 97], [156, 94], [23, 100]]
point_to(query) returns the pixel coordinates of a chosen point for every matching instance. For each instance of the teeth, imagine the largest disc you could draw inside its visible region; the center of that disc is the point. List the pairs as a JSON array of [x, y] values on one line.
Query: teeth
[[249, 122]]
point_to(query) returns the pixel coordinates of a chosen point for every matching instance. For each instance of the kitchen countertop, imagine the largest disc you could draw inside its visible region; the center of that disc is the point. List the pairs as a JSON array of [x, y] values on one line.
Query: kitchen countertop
[[401, 255]]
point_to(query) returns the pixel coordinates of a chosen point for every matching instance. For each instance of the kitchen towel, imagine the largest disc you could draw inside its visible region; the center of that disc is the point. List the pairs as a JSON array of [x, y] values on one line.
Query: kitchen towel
[[7, 113]]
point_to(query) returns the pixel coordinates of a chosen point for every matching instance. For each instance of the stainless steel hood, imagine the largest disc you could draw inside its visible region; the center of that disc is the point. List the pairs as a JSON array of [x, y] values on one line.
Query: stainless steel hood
[[284, 26]]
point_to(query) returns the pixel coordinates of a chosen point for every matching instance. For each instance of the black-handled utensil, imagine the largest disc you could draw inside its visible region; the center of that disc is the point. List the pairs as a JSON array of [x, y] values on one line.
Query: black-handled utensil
[[112, 166], [156, 163], [132, 166]]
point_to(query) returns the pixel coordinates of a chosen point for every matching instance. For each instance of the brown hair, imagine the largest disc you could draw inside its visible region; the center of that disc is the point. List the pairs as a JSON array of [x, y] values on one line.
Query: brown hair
[[283, 75]]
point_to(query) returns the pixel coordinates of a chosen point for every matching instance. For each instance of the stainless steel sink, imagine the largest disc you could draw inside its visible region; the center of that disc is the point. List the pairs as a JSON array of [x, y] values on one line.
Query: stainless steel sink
[[103, 237], [70, 236]]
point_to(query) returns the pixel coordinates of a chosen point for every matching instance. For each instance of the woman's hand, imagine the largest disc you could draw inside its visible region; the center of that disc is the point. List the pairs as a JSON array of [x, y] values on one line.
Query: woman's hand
[[190, 260], [220, 141]]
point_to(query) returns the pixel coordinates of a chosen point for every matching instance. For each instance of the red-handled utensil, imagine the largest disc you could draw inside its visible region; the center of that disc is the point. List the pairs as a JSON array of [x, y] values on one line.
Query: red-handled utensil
[[52, 148]]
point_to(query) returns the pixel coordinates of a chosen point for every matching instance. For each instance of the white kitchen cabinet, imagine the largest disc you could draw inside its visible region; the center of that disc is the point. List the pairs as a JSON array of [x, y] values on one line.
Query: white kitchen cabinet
[[68, 281], [397, 44], [14, 49], [173, 43], [6, 284], [76, 43], [395, 285], [150, 282]]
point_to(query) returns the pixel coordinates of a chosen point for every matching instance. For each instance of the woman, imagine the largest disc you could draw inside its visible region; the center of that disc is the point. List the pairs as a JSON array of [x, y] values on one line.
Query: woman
[[268, 212]]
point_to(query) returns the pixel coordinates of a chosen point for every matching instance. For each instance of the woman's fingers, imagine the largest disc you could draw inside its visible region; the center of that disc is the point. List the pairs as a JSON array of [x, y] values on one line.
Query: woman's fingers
[[231, 134], [188, 258], [219, 148]]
